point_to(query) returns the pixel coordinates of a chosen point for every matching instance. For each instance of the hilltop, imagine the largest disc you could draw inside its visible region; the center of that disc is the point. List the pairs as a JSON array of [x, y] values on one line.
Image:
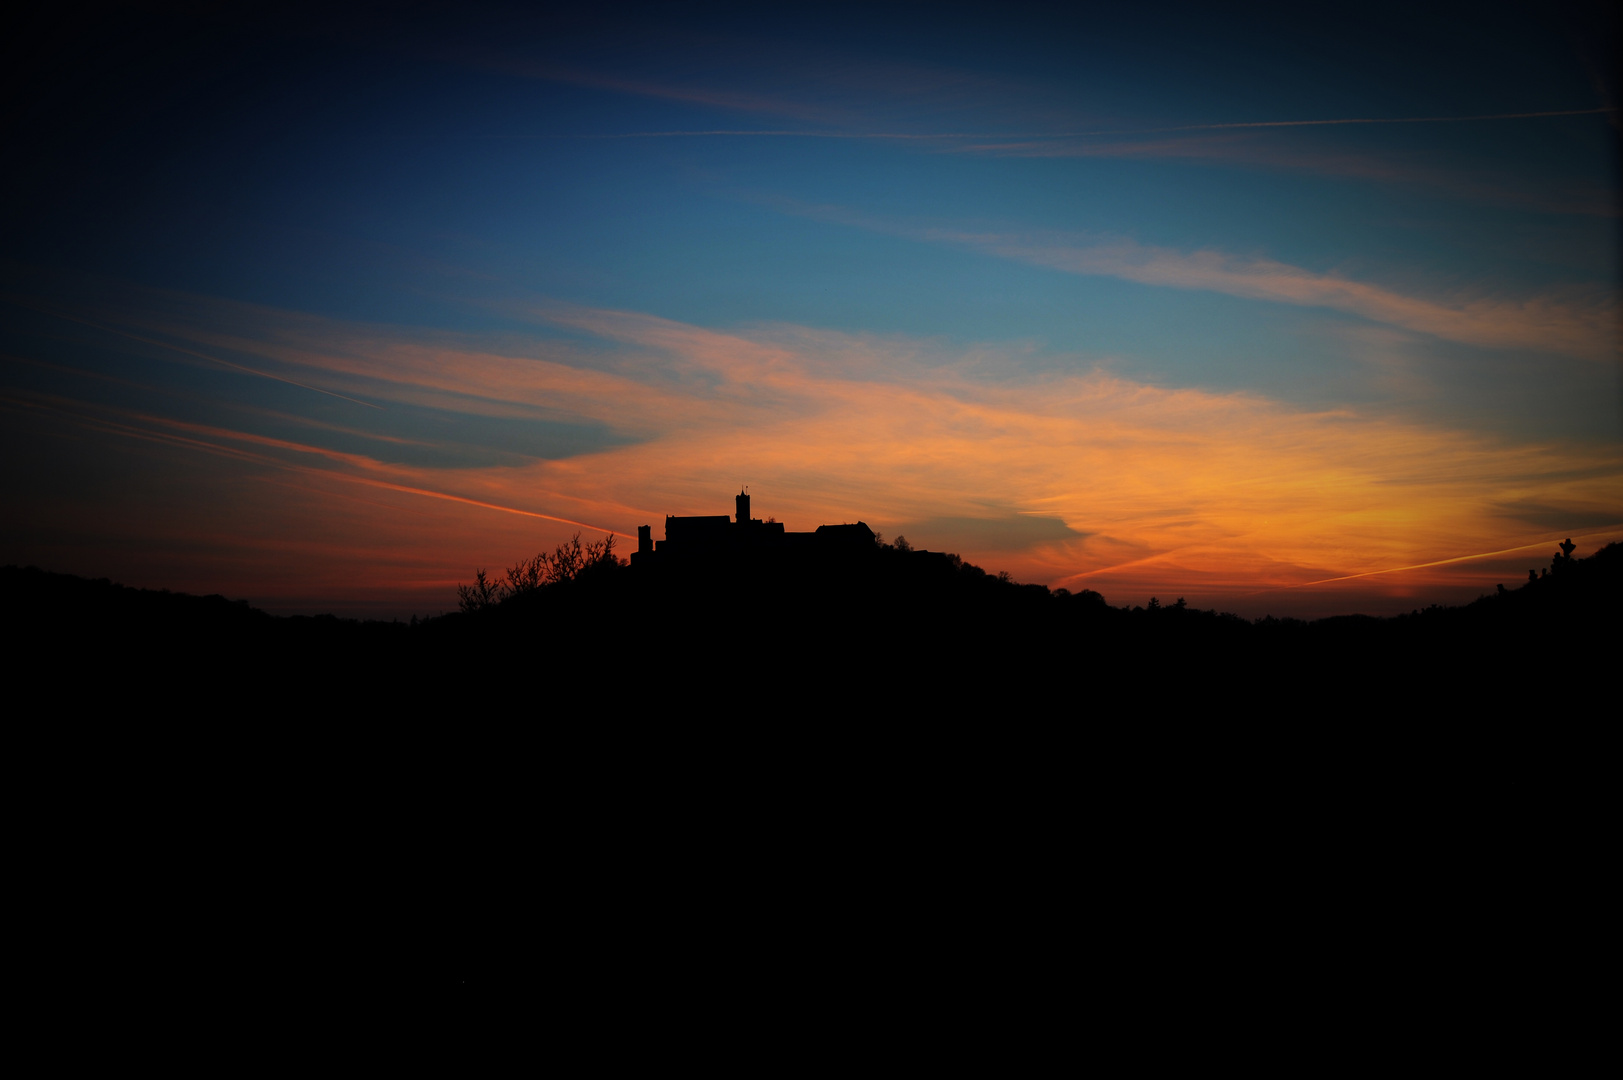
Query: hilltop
[[874, 626]]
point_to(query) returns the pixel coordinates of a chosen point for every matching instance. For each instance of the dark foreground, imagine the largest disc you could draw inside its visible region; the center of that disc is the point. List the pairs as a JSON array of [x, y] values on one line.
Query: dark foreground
[[891, 796], [895, 636]]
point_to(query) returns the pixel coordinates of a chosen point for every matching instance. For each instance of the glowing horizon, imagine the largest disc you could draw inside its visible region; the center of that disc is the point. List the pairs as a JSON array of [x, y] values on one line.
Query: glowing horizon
[[1264, 338]]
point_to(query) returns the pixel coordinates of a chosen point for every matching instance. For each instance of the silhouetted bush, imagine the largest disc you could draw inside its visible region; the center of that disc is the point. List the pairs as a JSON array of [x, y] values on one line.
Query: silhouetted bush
[[567, 562]]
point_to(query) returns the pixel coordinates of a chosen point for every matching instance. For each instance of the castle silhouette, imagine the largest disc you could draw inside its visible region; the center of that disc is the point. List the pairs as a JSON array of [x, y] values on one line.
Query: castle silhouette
[[717, 536]]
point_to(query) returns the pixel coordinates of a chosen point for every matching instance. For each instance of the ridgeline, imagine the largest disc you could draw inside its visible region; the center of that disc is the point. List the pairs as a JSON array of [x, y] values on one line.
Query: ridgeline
[[879, 626], [432, 808]]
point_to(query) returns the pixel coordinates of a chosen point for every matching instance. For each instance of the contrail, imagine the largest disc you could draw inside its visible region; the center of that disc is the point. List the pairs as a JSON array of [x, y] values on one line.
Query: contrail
[[113, 427], [925, 136], [458, 498], [201, 356], [793, 134], [1416, 566], [249, 370], [1122, 566], [1373, 120], [1327, 581]]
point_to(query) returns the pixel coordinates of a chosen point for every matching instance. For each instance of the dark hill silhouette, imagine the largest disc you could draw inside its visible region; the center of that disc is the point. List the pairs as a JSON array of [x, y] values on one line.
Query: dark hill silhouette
[[857, 628], [1367, 790], [436, 809], [889, 624]]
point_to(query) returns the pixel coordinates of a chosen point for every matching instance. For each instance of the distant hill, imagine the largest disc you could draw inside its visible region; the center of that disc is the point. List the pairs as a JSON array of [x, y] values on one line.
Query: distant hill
[[882, 627], [432, 809]]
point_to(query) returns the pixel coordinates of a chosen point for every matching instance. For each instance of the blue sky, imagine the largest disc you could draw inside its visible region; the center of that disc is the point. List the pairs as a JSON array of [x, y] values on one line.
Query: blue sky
[[1371, 257]]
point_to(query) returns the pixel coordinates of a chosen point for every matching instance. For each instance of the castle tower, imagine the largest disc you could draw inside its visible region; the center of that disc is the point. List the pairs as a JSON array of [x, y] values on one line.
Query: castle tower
[[743, 502]]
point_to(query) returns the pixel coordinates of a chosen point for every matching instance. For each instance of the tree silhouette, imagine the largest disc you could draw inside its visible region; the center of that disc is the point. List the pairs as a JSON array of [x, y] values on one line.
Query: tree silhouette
[[564, 563], [484, 592]]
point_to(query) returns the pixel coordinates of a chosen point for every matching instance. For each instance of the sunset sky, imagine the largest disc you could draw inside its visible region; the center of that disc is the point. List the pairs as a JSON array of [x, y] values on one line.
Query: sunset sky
[[1274, 312]]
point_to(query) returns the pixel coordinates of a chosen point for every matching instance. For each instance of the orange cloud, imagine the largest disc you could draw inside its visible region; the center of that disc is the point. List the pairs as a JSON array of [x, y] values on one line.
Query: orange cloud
[[1148, 489]]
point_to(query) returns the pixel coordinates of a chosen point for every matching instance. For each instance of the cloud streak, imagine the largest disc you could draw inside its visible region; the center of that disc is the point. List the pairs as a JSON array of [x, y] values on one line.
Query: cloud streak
[[1152, 489], [1578, 325], [226, 442], [1579, 322], [204, 356], [752, 104], [1248, 150]]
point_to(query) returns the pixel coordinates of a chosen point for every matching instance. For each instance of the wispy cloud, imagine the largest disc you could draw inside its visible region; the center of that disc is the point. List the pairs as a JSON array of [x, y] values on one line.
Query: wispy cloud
[[732, 100], [1368, 120], [1151, 489], [1222, 145], [267, 451], [1577, 325], [1059, 142], [197, 355], [960, 111], [1577, 322]]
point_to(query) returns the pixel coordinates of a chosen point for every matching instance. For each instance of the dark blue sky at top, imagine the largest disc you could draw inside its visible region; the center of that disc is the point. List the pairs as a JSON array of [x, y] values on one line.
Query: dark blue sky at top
[[174, 149], [421, 166]]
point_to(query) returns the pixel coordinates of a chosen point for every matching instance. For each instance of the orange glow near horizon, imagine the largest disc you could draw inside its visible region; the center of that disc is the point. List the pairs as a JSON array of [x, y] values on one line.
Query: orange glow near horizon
[[1076, 479]]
